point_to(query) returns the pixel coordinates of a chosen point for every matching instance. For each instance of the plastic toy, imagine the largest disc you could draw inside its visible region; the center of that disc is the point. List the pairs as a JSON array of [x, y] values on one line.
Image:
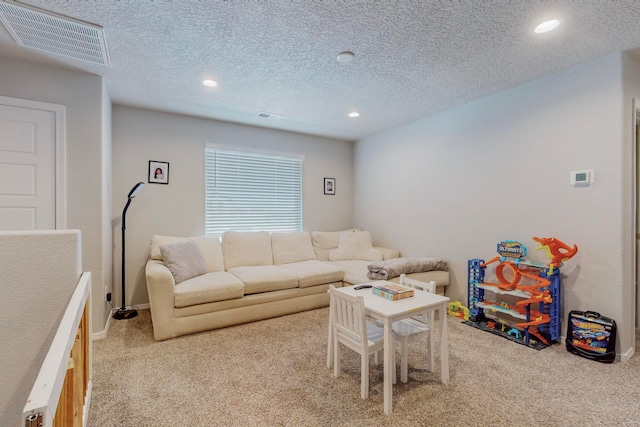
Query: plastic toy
[[515, 332], [456, 309], [535, 285], [557, 251], [511, 249]]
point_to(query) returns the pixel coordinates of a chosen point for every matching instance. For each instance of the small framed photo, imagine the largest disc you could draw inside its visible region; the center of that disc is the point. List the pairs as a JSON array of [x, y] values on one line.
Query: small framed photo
[[330, 186], [158, 172]]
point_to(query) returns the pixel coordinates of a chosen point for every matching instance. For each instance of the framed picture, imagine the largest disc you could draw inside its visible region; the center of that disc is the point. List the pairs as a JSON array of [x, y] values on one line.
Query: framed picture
[[330, 186], [158, 172]]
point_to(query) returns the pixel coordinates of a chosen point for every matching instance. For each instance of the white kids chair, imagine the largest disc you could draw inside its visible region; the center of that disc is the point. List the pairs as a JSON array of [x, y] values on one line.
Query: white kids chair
[[350, 327], [407, 330]]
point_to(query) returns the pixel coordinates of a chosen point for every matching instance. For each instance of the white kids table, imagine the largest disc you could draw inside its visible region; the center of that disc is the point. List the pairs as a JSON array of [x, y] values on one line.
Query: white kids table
[[388, 312]]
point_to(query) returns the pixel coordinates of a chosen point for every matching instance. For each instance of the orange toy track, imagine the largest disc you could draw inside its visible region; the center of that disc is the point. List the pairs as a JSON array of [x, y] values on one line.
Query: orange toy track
[[537, 318], [541, 282], [543, 297], [540, 318], [537, 296], [517, 275], [534, 331]]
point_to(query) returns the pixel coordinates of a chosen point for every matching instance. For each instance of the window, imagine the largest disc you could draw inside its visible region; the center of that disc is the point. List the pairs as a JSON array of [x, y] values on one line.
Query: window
[[252, 191]]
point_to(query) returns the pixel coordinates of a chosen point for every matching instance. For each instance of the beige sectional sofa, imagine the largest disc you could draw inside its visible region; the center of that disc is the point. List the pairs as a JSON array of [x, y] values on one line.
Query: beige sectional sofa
[[202, 283]]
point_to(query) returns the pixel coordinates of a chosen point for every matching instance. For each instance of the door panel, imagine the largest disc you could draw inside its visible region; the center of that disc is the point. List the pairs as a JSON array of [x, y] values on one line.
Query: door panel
[[19, 218], [27, 169]]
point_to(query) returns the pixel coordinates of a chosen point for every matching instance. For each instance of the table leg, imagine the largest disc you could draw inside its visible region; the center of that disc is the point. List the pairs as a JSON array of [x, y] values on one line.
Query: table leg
[[389, 366], [444, 344], [330, 341], [430, 347]]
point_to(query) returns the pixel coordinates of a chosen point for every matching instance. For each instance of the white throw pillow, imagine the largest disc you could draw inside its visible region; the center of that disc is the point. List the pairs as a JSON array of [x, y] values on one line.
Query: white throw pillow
[[209, 247], [157, 241], [326, 241], [355, 245], [184, 260]]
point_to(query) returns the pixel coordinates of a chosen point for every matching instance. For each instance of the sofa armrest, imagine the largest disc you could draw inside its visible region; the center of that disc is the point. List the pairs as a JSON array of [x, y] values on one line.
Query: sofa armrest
[[160, 286], [388, 253]]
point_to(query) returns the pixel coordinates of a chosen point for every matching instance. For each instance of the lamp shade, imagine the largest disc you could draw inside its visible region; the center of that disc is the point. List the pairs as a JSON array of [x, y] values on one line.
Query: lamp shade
[[135, 190]]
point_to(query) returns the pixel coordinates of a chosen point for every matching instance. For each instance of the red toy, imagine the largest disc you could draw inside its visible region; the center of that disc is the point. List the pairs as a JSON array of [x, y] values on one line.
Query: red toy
[[557, 251]]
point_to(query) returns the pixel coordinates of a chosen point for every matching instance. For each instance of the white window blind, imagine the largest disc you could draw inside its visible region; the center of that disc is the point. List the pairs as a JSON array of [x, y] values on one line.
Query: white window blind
[[250, 191]]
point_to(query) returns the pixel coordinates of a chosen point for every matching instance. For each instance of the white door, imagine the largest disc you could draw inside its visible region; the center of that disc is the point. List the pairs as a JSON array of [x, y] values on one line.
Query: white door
[[27, 169]]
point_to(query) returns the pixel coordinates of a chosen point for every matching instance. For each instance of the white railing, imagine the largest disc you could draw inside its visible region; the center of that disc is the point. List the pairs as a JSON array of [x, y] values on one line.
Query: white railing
[[61, 393]]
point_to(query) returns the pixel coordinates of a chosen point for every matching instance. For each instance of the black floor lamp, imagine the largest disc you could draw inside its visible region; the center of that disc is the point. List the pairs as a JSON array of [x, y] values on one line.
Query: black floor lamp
[[124, 312]]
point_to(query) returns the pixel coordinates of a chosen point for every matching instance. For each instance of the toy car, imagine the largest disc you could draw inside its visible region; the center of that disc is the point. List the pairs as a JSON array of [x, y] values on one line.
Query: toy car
[[515, 332]]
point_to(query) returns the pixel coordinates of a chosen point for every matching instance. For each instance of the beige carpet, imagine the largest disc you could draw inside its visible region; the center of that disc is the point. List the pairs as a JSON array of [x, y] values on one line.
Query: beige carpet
[[274, 373]]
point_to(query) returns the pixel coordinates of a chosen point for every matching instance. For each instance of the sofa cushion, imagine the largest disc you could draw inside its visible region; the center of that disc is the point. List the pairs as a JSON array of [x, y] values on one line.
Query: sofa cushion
[[264, 278], [355, 245], [291, 247], [212, 252], [209, 287], [184, 260], [157, 241], [314, 272], [242, 249], [388, 253], [209, 247], [355, 271], [325, 241]]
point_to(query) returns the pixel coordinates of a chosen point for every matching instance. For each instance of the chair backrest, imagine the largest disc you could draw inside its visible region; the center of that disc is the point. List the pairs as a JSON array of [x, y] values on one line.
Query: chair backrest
[[424, 286], [348, 316], [417, 284]]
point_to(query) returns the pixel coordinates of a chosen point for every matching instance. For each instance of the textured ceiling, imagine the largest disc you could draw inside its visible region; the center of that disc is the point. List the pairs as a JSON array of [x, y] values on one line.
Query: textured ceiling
[[412, 58]]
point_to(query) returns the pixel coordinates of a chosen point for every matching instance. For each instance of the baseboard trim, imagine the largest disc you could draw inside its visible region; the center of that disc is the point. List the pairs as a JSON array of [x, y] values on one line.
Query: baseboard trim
[[624, 357], [103, 334]]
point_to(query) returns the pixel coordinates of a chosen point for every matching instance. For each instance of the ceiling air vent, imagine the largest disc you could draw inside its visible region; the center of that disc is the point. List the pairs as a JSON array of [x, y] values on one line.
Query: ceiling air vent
[[270, 116], [55, 34]]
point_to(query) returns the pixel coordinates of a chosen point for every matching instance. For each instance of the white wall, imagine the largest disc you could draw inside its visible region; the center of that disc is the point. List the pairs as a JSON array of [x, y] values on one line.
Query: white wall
[[490, 170], [40, 271], [82, 95], [99, 296], [456, 183], [178, 208]]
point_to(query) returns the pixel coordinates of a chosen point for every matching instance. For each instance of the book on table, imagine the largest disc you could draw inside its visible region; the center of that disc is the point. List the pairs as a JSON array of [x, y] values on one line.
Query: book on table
[[392, 291]]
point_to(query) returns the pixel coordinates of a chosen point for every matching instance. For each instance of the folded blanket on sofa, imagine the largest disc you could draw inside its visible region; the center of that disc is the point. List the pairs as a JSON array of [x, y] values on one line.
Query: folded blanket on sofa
[[385, 270]]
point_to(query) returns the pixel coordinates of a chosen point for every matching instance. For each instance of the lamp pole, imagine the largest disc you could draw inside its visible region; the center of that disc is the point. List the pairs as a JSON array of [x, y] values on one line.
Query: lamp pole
[[124, 312]]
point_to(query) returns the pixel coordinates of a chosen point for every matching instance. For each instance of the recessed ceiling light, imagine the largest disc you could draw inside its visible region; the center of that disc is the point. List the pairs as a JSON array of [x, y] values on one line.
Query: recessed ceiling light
[[210, 83], [354, 114], [345, 57], [546, 26]]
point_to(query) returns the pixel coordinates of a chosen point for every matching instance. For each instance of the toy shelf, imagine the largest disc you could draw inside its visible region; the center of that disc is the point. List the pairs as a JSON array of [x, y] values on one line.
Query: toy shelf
[[538, 318], [493, 289], [493, 307], [533, 264]]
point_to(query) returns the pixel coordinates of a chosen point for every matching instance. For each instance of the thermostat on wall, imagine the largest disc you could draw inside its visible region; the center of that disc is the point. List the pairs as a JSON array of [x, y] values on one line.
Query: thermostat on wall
[[583, 178]]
